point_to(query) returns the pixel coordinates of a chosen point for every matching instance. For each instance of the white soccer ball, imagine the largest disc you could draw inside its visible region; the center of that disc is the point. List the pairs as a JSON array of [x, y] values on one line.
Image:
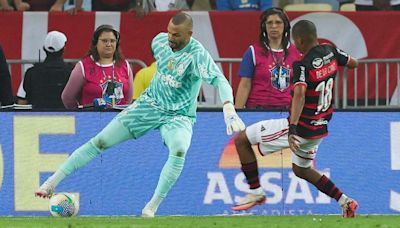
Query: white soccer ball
[[64, 204]]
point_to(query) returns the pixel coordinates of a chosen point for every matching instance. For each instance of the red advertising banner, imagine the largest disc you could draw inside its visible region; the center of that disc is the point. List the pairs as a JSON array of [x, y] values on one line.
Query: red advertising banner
[[224, 34]]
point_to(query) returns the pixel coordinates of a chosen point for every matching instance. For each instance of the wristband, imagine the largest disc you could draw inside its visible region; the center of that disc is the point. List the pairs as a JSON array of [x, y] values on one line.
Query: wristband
[[292, 129]]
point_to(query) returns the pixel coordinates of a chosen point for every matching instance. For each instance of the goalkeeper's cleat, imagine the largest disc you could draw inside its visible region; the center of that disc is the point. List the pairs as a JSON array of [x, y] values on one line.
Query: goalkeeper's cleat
[[249, 201], [46, 190], [147, 212], [349, 208]]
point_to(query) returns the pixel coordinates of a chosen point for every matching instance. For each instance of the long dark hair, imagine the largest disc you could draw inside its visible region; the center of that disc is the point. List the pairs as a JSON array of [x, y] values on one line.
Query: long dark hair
[[263, 38], [118, 57]]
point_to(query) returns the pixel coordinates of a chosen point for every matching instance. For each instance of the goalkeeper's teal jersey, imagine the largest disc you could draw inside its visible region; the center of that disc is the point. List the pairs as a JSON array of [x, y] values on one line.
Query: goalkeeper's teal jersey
[[177, 82]]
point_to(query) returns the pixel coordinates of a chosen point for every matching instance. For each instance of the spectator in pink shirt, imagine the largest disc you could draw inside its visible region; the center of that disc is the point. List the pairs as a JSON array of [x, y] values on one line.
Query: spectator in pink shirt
[[266, 67], [103, 73]]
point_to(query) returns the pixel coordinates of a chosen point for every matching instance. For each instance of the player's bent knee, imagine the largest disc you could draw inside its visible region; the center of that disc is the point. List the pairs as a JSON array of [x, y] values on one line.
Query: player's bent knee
[[99, 143], [178, 151], [180, 154], [178, 148]]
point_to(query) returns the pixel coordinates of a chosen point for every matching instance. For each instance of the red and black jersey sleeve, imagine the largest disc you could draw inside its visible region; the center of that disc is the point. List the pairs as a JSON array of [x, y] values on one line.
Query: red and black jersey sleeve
[[300, 74], [341, 56]]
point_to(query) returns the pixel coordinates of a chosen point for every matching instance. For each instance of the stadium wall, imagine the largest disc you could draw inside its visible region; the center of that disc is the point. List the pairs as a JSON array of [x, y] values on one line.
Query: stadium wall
[[224, 34], [361, 154]]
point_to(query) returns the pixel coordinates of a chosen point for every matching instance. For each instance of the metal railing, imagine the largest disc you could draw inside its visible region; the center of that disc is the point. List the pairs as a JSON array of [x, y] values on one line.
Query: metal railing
[[372, 75], [372, 82], [230, 61], [388, 67], [214, 102], [24, 62]]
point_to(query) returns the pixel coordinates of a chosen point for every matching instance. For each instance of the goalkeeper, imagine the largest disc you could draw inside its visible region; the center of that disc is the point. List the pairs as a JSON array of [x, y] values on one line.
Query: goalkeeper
[[169, 104]]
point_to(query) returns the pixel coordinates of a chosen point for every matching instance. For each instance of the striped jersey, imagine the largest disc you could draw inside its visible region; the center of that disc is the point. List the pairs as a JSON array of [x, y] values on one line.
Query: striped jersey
[[176, 84], [317, 70]]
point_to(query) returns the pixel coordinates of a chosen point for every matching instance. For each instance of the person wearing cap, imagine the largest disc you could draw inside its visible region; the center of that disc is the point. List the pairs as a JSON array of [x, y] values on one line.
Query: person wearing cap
[[102, 74], [44, 82]]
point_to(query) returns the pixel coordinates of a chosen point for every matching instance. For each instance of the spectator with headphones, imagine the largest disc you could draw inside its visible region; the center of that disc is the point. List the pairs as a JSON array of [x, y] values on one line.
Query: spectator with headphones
[[266, 67], [103, 73]]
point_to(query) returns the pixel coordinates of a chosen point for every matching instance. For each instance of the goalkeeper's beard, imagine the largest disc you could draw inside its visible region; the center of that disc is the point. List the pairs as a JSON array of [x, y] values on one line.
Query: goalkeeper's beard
[[175, 46]]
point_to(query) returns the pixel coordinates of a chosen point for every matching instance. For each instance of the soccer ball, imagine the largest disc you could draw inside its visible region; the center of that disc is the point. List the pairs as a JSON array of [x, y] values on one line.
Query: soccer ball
[[64, 204]]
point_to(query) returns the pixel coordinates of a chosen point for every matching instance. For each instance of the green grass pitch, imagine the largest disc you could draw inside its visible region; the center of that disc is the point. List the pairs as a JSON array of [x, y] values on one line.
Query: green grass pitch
[[308, 221]]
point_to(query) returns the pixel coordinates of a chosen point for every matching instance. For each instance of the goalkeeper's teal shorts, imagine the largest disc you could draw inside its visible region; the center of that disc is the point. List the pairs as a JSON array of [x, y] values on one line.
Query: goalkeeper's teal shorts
[[141, 117]]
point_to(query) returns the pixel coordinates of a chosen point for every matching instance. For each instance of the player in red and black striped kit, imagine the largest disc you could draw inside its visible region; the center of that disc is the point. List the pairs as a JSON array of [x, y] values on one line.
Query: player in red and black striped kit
[[311, 110]]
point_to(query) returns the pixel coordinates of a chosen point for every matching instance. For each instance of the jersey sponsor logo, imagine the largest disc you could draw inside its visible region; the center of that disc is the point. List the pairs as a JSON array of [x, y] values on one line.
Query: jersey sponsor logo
[[302, 77], [323, 72], [317, 63], [170, 81], [280, 77], [327, 58], [319, 122]]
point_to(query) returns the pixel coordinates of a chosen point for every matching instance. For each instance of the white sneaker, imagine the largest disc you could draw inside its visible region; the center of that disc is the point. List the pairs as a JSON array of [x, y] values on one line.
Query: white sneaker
[[46, 190], [147, 212], [249, 201], [349, 208]]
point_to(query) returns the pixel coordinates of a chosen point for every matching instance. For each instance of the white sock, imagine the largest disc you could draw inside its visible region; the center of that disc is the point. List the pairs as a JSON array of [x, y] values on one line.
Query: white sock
[[257, 191], [56, 178], [154, 202], [342, 200]]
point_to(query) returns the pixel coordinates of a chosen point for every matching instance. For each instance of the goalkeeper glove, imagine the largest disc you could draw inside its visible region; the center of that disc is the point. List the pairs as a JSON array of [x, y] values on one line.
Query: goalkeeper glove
[[232, 120]]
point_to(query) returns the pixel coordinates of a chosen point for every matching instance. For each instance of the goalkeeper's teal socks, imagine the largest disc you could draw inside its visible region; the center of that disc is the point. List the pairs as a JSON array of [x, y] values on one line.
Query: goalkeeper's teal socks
[[169, 174], [80, 157], [56, 178]]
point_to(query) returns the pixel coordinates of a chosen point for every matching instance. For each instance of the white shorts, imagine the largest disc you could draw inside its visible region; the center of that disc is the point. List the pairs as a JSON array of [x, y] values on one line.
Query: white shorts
[[272, 136]]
